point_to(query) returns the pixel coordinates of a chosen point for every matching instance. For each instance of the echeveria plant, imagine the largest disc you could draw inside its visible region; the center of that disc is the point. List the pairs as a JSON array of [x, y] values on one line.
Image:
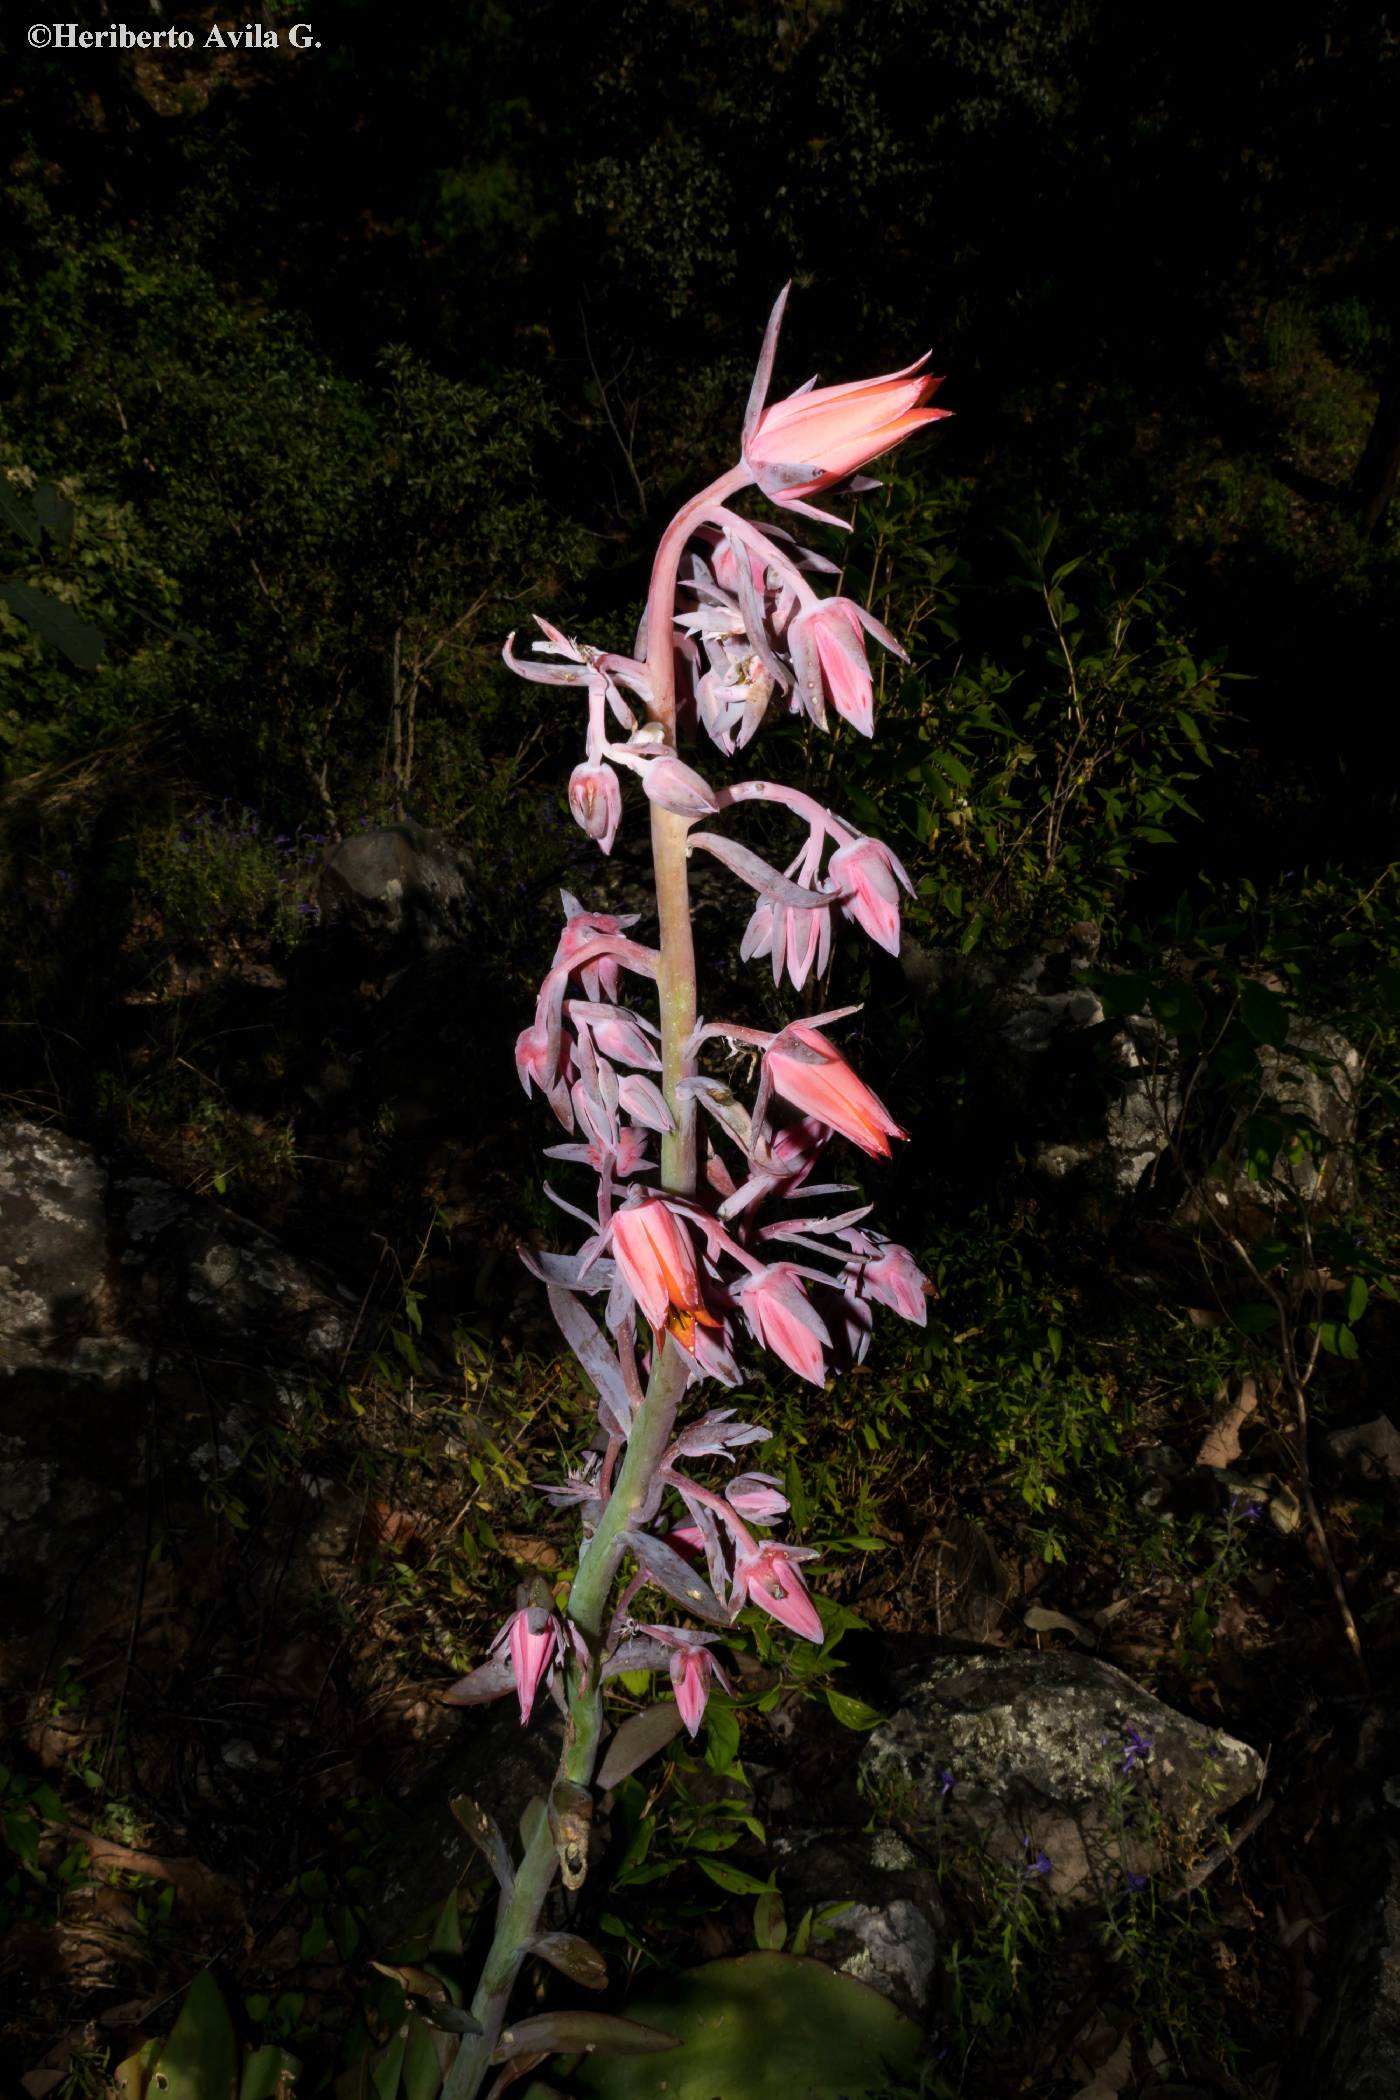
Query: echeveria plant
[[730, 1240]]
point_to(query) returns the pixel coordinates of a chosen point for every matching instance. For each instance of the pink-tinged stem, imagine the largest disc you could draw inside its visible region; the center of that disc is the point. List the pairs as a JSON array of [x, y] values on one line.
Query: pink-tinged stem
[[804, 806], [738, 1529], [676, 976]]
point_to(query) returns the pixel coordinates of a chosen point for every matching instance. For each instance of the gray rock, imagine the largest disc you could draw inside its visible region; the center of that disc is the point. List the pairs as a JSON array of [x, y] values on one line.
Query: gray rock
[[890, 1927], [1368, 1452], [1041, 1749], [1357, 2050], [1111, 1123], [146, 1339], [402, 884]]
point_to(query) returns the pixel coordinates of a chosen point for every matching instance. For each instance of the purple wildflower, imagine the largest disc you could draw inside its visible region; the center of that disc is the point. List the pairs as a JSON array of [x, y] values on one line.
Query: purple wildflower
[[1138, 1751]]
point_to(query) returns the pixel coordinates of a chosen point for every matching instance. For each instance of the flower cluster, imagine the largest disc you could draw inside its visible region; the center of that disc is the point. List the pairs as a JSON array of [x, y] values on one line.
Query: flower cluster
[[746, 1246]]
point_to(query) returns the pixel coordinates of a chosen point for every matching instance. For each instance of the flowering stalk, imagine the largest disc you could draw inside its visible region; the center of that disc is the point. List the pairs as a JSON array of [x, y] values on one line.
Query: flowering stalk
[[685, 1270]]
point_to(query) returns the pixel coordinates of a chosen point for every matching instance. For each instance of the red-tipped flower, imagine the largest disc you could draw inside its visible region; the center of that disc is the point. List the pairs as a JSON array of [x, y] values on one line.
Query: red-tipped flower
[[868, 877], [812, 1074], [783, 1320], [595, 797]]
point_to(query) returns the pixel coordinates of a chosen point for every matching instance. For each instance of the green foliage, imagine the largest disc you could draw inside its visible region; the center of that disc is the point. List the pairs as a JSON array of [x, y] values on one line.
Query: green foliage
[[296, 570], [768, 2026], [1031, 786], [220, 873]]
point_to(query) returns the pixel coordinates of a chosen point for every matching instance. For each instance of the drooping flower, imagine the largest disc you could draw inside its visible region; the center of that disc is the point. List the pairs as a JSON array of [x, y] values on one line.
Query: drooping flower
[[891, 1276], [595, 797], [807, 1070], [783, 1319], [868, 877], [691, 1667], [765, 1573], [758, 1497], [654, 1252], [532, 1635]]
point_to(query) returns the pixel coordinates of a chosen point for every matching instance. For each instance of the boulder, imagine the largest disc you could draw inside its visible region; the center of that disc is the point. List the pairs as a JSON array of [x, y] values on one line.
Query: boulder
[[400, 886], [146, 1338], [1055, 1766], [1099, 1102]]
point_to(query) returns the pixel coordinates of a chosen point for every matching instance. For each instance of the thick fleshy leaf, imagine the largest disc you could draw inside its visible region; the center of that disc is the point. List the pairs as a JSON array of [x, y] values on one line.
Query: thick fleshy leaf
[[664, 1566], [639, 1737], [580, 2034], [638, 1653], [722, 1104], [565, 1271], [572, 1957], [755, 626], [542, 674], [768, 2027], [673, 785], [485, 1834], [200, 2057], [758, 875], [491, 1680], [645, 1103], [597, 1359]]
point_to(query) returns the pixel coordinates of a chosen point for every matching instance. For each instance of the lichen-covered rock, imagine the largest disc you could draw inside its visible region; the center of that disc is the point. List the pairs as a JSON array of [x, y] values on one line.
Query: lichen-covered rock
[[1058, 1766]]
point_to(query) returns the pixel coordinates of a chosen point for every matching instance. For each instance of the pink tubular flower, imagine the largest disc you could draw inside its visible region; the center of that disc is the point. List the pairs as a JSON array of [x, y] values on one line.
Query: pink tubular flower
[[758, 1497], [811, 1073], [533, 1635], [692, 1667], [595, 797], [766, 1574], [821, 434], [827, 642], [893, 1278], [654, 1253], [777, 1310], [645, 1103], [868, 876], [690, 1675]]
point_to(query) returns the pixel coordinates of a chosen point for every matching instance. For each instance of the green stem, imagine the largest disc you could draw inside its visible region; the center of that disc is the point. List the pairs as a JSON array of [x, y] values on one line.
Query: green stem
[[655, 1419]]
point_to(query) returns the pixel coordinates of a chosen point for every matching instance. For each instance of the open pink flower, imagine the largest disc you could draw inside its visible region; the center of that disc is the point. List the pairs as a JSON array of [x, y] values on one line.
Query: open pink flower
[[821, 434], [595, 797], [654, 1252], [766, 1573], [783, 1320], [868, 876], [812, 1074]]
